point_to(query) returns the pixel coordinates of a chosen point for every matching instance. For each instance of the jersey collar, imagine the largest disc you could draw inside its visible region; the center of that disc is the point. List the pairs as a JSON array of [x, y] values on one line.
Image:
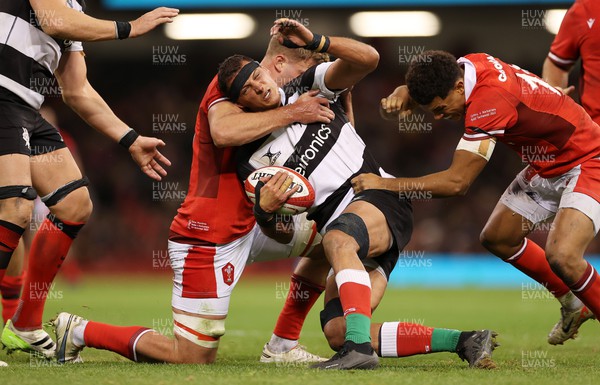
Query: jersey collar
[[470, 76]]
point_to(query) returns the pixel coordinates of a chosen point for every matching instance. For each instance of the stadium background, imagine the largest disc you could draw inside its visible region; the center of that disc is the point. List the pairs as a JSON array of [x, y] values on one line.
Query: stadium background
[[155, 85]]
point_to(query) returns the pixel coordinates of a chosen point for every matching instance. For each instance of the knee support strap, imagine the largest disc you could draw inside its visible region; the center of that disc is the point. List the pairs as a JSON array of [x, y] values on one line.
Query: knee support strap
[[354, 226], [201, 331], [26, 192], [333, 309], [60, 193]]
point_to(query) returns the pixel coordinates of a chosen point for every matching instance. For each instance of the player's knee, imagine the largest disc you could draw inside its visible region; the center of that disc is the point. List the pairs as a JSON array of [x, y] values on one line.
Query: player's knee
[[205, 333], [347, 233], [563, 262], [335, 333], [75, 207], [16, 204], [488, 239], [333, 324], [335, 240]]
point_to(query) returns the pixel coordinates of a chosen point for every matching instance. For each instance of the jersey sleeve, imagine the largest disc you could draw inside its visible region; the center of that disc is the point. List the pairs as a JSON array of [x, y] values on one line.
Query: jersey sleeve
[[564, 50], [489, 116], [319, 82], [212, 96]]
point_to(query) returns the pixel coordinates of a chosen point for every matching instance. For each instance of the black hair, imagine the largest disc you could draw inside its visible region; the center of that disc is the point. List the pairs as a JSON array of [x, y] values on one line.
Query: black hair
[[431, 74], [228, 70]]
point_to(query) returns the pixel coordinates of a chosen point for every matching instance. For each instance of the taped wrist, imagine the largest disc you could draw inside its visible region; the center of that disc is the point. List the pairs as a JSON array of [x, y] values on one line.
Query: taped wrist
[[319, 43], [263, 218]]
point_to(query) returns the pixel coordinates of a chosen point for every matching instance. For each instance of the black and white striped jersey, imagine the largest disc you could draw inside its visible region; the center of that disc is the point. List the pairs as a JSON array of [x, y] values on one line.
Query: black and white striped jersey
[[328, 155], [28, 56]]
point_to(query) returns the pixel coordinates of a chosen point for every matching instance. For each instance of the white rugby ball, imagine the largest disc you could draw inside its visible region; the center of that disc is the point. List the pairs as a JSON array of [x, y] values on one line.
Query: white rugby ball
[[297, 203]]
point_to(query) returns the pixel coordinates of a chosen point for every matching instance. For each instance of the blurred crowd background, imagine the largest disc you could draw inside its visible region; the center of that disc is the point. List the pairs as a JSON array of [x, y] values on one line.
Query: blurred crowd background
[[132, 214]]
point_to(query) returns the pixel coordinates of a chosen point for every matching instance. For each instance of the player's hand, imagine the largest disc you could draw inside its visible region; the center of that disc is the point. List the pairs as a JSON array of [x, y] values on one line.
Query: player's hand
[[148, 21], [276, 191], [310, 108], [364, 182], [144, 152], [567, 91], [293, 31], [397, 105]]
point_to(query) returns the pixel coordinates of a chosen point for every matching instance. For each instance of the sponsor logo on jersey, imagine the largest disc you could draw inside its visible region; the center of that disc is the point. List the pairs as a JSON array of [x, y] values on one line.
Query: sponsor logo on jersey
[[313, 149], [590, 22]]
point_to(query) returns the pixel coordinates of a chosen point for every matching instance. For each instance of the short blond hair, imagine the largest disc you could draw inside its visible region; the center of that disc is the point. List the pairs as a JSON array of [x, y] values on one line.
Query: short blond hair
[[294, 54]]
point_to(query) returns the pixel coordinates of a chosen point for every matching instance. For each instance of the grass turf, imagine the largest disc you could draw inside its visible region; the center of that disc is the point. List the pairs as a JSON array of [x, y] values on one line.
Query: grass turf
[[522, 318]]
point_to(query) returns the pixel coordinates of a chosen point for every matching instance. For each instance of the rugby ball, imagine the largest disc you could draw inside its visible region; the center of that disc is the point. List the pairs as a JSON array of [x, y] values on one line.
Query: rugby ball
[[297, 203]]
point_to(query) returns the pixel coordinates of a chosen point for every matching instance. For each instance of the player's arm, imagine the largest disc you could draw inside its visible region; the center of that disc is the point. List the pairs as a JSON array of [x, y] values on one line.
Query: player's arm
[[60, 21], [556, 76], [397, 105], [271, 194], [231, 126], [78, 94], [354, 59], [469, 160]]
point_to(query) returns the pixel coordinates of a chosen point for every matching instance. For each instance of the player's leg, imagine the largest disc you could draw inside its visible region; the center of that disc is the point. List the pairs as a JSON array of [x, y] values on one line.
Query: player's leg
[[360, 231], [575, 225], [306, 285], [203, 279], [16, 191], [505, 236], [59, 182], [403, 339], [12, 283]]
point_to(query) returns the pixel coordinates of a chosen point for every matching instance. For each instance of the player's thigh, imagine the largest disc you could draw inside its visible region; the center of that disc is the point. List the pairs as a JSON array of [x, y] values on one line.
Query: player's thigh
[[195, 337], [205, 276], [526, 202], [380, 236]]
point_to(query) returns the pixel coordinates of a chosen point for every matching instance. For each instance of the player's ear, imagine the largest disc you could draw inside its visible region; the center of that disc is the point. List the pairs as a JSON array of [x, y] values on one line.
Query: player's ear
[[279, 62], [459, 86]]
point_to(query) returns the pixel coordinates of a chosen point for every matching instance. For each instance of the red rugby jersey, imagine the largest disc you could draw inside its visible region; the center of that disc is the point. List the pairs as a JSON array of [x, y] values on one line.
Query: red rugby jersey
[[549, 130], [579, 37], [215, 209]]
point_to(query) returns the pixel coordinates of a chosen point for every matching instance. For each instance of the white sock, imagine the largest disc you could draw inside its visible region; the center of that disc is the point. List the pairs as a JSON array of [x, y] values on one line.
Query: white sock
[[570, 302], [78, 330], [281, 345]]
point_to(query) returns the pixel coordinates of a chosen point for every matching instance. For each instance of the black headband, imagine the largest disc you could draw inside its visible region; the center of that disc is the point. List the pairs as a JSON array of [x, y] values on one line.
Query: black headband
[[240, 79]]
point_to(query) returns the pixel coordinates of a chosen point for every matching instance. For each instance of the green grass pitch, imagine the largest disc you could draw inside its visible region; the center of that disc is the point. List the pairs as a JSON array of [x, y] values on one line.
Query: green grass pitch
[[522, 318]]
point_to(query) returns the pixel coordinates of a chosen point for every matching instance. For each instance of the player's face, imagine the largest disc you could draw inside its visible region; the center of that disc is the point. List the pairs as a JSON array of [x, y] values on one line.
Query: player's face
[[451, 107], [260, 92]]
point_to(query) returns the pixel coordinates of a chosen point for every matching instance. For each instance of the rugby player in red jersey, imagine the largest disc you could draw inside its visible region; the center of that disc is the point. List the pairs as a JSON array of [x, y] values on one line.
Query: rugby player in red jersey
[[214, 235], [553, 135], [578, 37], [329, 155]]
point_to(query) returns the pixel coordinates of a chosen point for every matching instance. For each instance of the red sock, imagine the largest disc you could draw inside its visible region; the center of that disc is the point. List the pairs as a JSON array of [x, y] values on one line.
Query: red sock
[[300, 299], [531, 260], [9, 239], [587, 289], [118, 339], [402, 339], [10, 288], [48, 251]]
